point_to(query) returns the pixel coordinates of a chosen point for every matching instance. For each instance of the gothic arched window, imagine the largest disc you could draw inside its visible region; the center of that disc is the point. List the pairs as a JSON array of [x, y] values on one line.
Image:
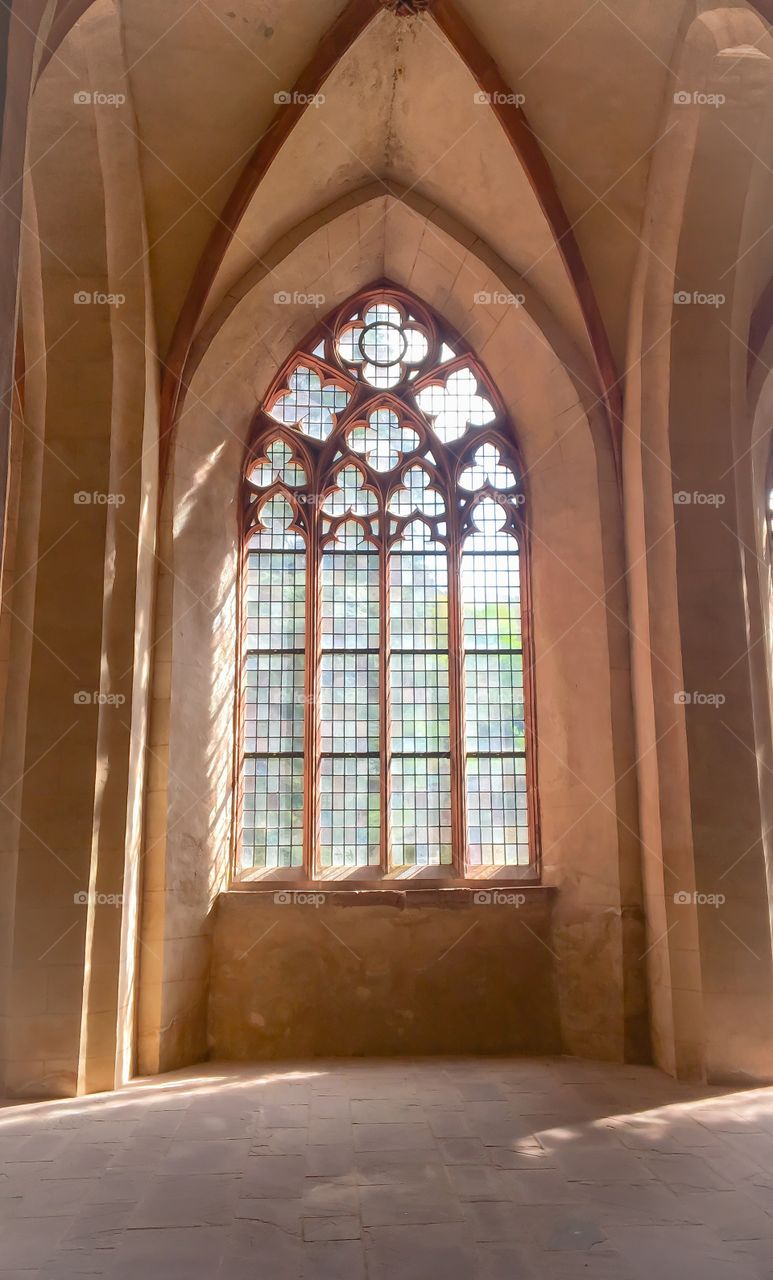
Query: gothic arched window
[[385, 674]]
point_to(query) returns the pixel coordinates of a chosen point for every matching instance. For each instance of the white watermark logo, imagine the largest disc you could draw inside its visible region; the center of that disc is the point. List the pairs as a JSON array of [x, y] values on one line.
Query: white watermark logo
[[685, 699], [83, 698], [697, 99], [94, 298], [283, 298], [290, 97], [498, 99], [88, 899], [298, 898], [685, 298], [95, 498], [684, 899], [498, 898], [684, 499], [94, 98], [498, 298]]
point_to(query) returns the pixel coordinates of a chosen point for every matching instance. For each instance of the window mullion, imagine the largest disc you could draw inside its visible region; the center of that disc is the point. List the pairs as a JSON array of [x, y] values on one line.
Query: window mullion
[[456, 704], [385, 717], [311, 689]]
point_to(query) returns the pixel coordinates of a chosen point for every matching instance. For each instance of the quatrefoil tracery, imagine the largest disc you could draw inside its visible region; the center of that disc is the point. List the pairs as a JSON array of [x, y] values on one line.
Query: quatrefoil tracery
[[455, 405], [381, 345], [309, 403], [384, 440]]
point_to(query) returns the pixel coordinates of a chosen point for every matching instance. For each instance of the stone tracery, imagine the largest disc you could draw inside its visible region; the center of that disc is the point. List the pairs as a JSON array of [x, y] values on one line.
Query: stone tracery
[[412, 513]]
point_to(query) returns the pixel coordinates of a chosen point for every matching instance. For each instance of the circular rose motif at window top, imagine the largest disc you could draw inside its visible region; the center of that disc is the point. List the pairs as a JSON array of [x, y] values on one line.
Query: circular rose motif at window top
[[384, 345]]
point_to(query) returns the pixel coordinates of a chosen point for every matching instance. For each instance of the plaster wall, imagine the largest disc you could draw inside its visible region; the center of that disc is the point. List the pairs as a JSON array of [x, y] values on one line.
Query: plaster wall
[[588, 817], [79, 613], [398, 974]]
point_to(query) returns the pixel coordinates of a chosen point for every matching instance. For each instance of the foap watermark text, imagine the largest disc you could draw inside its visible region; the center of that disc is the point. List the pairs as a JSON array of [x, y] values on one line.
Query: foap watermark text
[[298, 898], [697, 699]]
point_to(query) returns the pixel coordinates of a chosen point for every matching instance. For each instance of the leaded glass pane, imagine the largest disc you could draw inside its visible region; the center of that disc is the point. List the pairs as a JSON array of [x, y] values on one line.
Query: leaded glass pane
[[421, 811], [349, 703], [272, 812], [273, 692], [350, 495], [274, 702], [419, 683], [418, 589], [494, 702], [420, 777], [350, 599], [497, 815], [350, 811], [275, 606]]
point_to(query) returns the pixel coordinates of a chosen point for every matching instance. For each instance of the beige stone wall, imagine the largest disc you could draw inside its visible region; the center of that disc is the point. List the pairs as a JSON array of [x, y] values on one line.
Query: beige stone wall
[[694, 510], [637, 600], [78, 611], [405, 973], [587, 809]]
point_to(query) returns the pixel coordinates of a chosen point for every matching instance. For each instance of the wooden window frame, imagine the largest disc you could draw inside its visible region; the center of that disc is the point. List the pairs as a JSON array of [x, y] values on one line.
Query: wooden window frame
[[317, 457]]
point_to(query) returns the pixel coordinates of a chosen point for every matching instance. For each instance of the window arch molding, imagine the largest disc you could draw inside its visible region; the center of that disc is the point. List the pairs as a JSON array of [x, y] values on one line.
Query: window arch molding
[[386, 701]]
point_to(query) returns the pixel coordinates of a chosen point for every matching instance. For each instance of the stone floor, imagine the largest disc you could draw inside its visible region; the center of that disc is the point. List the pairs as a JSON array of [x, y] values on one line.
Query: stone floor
[[473, 1169]]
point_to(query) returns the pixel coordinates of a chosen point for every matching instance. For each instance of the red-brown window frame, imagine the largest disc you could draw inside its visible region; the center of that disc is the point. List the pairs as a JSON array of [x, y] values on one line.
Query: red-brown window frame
[[317, 457]]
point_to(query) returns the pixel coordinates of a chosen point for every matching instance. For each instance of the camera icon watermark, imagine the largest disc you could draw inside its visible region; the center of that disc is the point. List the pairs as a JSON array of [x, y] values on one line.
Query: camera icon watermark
[[298, 898], [696, 298], [498, 898], [684, 698], [290, 97], [95, 298], [84, 698], [685, 899], [94, 98], [84, 498], [695, 98], [87, 898], [283, 298], [498, 99], [498, 298], [682, 498]]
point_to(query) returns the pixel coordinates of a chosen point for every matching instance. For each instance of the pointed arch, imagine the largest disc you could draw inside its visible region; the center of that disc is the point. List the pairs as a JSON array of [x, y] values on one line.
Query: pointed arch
[[413, 673], [351, 23]]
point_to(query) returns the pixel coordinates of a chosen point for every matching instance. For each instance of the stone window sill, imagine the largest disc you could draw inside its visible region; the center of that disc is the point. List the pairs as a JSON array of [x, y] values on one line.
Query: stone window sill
[[500, 893]]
